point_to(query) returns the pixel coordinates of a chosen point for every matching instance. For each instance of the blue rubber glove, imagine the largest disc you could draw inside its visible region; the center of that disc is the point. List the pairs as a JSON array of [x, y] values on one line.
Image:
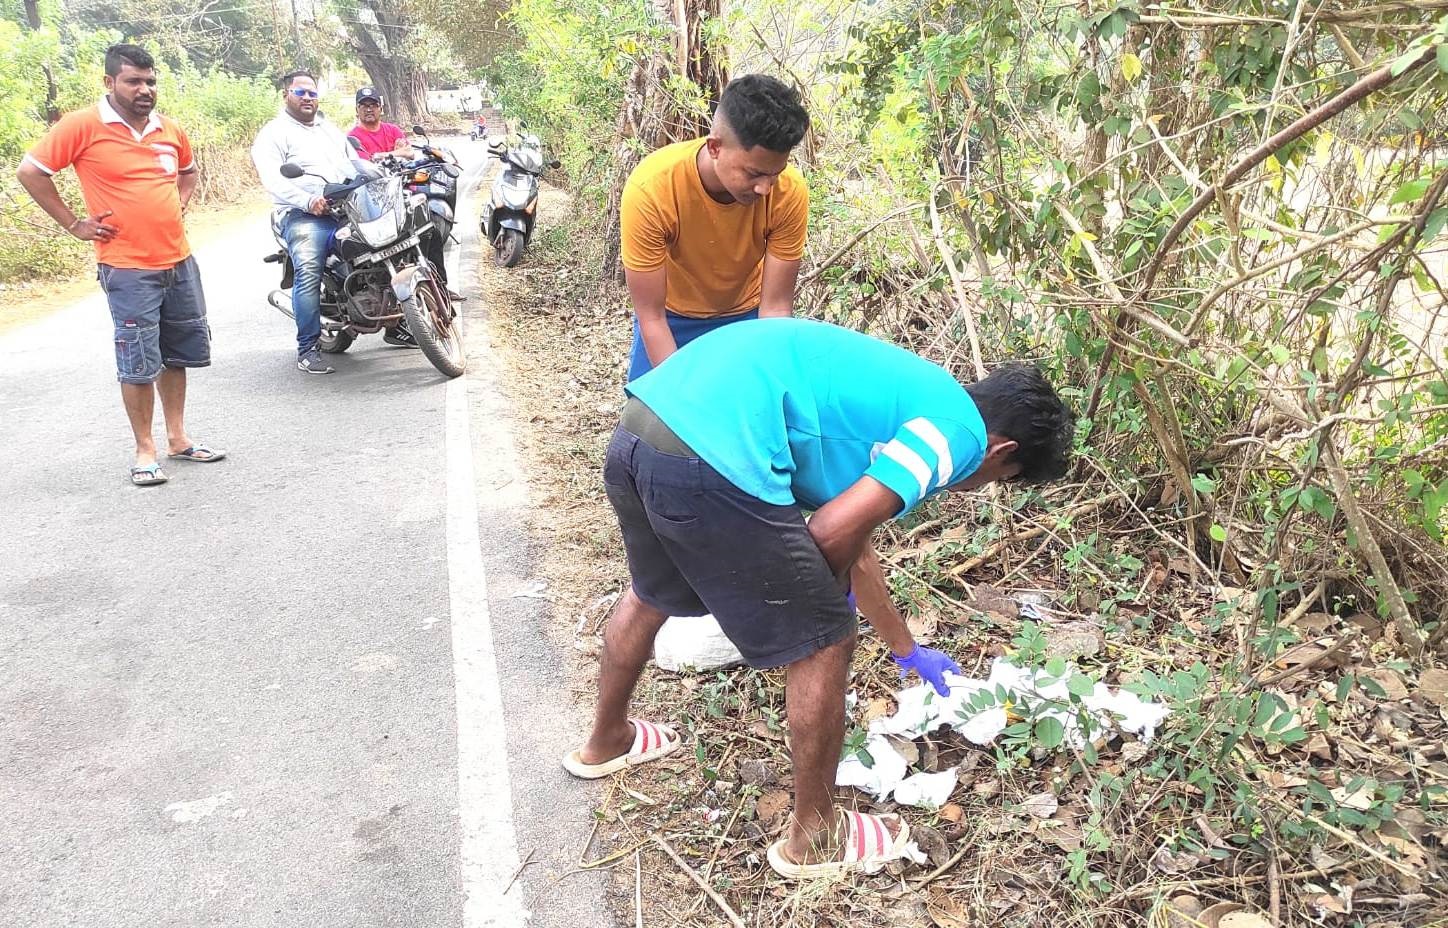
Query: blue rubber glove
[[850, 601], [930, 664]]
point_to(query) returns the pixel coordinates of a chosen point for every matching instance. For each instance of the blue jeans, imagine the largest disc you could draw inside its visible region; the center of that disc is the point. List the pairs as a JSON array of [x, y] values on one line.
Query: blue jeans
[[685, 329], [307, 238]]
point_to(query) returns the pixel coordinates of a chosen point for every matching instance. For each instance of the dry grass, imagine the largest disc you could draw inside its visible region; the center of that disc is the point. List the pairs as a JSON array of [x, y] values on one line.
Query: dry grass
[[563, 337]]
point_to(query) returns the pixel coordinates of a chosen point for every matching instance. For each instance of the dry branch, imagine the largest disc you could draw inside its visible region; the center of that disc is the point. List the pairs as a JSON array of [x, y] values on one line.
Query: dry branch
[[1202, 19], [1361, 89], [839, 253], [1346, 836], [996, 547], [1366, 86], [947, 254], [718, 900], [1367, 542], [1261, 269]]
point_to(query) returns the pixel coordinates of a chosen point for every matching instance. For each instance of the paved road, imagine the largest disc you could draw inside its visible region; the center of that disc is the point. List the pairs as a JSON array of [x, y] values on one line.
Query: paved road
[[297, 687]]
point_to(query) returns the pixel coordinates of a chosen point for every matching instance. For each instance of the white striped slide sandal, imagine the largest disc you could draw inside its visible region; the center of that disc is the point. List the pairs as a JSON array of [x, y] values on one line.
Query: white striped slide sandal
[[650, 743], [868, 846]]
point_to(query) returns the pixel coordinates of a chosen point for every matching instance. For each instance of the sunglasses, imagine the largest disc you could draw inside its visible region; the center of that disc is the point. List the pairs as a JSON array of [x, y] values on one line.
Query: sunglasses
[[305, 94]]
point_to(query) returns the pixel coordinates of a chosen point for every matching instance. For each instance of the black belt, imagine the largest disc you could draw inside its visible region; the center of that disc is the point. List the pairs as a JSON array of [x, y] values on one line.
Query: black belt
[[640, 420]]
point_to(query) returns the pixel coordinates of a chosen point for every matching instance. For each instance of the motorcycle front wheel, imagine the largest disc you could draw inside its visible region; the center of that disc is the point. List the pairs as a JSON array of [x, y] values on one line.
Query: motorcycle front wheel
[[509, 248], [430, 320], [335, 341]]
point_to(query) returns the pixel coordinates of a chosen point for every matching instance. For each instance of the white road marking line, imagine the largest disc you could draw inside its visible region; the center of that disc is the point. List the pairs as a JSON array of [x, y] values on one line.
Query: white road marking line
[[485, 797]]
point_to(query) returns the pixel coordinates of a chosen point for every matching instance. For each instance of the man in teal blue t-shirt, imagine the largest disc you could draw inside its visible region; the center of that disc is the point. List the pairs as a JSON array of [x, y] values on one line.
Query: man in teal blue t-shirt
[[717, 454]]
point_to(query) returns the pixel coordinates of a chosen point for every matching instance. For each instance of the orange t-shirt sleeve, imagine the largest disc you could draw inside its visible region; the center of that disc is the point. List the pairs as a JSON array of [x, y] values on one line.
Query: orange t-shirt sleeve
[[63, 143], [789, 223], [184, 157], [643, 230]]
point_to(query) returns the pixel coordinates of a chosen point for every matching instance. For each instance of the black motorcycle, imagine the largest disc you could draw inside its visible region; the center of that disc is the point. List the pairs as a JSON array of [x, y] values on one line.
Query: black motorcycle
[[376, 274]]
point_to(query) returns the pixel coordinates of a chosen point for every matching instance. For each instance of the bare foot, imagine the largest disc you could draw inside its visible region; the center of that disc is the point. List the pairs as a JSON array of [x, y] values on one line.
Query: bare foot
[[823, 845], [606, 745]]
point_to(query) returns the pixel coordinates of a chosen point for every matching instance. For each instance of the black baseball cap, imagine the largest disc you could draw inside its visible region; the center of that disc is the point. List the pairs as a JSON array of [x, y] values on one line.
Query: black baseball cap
[[368, 93]]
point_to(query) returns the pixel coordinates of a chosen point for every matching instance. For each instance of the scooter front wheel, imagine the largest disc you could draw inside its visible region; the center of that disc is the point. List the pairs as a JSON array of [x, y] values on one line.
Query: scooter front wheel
[[509, 248]]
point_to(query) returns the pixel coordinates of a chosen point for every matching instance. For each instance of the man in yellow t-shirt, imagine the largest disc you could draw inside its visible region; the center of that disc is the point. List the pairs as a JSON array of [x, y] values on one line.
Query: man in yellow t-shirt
[[713, 229]]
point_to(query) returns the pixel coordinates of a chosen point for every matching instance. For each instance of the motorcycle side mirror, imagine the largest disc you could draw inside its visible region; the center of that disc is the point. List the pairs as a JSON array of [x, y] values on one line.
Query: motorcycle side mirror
[[418, 130], [292, 171], [555, 163], [354, 142]]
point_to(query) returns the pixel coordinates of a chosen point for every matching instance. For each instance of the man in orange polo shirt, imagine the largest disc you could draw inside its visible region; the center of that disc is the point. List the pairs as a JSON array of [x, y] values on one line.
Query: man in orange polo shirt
[[136, 175], [713, 229]]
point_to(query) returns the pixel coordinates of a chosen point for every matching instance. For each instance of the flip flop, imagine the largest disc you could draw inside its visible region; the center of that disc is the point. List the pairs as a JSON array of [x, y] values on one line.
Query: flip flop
[[650, 743], [148, 476], [868, 846], [201, 454]]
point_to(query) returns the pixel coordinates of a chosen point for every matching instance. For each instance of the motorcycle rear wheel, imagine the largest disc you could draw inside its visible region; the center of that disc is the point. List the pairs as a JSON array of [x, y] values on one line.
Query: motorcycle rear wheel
[[509, 248], [430, 320]]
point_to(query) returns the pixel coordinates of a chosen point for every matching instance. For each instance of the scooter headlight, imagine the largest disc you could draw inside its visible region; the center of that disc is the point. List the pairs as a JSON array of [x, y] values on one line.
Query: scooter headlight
[[515, 199]]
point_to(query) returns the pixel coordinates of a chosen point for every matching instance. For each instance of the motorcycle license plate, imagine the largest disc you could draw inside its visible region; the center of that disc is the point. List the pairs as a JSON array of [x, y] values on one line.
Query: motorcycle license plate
[[400, 247]]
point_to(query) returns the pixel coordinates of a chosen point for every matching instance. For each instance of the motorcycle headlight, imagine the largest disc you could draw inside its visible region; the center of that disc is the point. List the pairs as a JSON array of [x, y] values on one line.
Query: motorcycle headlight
[[378, 210], [381, 230]]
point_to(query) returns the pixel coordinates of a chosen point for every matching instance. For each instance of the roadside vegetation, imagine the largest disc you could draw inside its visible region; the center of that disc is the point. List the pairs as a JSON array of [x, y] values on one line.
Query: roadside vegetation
[[1222, 229]]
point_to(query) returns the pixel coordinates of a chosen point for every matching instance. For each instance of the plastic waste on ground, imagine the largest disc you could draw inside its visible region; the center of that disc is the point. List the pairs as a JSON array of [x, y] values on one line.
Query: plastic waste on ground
[[922, 711]]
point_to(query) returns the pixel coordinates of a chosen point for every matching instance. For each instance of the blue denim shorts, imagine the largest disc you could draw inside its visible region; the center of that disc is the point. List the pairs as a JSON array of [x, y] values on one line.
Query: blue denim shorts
[[685, 330], [160, 319], [698, 544]]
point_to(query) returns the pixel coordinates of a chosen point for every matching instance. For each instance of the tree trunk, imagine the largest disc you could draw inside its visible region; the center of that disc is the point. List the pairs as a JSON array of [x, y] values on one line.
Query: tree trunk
[[381, 49], [648, 118], [32, 19]]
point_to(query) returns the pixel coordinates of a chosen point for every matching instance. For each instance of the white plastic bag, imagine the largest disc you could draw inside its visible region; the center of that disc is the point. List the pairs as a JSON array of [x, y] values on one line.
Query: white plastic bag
[[694, 644]]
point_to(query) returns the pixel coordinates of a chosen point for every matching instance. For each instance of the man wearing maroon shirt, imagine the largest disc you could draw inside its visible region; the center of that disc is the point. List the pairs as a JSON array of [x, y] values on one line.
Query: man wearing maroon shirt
[[377, 137], [380, 138]]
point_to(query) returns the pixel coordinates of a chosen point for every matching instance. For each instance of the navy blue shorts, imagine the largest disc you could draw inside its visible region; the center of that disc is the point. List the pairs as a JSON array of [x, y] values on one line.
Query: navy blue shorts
[[696, 544], [160, 319]]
